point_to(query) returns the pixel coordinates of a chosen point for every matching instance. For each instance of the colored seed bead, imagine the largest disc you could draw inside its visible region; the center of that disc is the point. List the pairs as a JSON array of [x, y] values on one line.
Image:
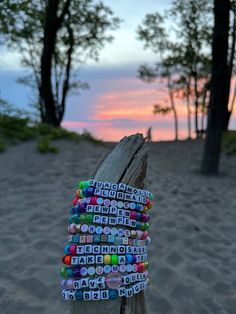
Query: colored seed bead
[[138, 224], [139, 207], [82, 218], [63, 272], [107, 259], [146, 265], [133, 234], [113, 294], [138, 216], [151, 197], [134, 259], [133, 215], [74, 219], [129, 258], [93, 200], [145, 226], [79, 295], [76, 272], [70, 272], [145, 235], [114, 259], [89, 218], [81, 194], [149, 206], [72, 249], [66, 259], [75, 201], [67, 249]]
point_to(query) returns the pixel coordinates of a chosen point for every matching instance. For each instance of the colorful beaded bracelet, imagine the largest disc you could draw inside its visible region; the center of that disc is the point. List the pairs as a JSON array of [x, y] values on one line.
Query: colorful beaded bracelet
[[115, 187], [95, 200], [91, 229], [101, 282], [73, 249], [68, 294], [78, 272], [106, 259], [109, 210], [107, 202], [82, 239], [105, 220]]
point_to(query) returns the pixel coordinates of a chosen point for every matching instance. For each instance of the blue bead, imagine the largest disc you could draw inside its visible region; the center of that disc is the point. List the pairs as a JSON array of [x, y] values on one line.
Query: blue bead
[[79, 295], [129, 258], [66, 249], [113, 294], [85, 192], [70, 272]]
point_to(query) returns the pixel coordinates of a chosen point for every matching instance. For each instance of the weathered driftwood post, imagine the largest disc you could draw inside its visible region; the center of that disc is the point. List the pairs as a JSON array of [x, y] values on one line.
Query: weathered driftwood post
[[127, 163]]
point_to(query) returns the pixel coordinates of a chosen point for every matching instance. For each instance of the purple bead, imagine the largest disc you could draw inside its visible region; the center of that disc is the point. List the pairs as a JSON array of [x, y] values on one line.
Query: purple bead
[[90, 191], [76, 272]]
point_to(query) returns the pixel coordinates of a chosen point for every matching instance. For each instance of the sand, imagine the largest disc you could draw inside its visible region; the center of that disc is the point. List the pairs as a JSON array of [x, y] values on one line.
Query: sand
[[193, 228]]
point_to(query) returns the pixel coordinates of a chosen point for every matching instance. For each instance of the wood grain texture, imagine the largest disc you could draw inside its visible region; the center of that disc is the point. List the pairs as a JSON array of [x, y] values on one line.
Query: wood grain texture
[[126, 163]]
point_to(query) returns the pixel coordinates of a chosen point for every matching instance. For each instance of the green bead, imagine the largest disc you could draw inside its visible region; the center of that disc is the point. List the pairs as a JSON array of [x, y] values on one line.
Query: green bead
[[146, 264], [81, 184], [83, 218], [151, 197], [89, 218], [145, 226], [63, 272], [81, 193], [86, 184]]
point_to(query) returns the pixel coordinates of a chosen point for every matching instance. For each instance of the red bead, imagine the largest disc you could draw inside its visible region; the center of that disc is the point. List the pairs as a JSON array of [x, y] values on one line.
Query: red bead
[[75, 201], [93, 200], [147, 201]]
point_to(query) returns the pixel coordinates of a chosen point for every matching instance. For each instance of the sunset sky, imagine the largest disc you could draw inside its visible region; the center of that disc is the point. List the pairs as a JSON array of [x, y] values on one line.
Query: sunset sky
[[117, 103]]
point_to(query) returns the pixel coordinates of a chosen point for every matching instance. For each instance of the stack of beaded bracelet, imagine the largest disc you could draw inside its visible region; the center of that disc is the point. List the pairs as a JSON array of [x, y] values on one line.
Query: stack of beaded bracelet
[[106, 254]]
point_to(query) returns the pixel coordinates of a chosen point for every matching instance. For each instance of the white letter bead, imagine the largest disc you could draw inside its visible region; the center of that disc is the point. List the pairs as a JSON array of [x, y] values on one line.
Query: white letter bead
[[87, 295], [121, 291], [104, 294], [97, 219]]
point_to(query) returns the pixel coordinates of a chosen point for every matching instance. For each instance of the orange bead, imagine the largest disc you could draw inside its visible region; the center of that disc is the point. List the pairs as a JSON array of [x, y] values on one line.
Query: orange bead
[[66, 259]]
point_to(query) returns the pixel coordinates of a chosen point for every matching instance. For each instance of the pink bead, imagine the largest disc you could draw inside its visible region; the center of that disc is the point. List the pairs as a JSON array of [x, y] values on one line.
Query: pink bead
[[145, 235], [70, 284], [148, 201], [75, 201], [72, 249], [133, 215], [93, 200], [71, 228]]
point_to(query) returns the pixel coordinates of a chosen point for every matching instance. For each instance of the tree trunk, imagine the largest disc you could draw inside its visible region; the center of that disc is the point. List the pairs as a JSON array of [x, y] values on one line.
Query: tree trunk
[[49, 41], [127, 163], [173, 107], [218, 98], [196, 104], [188, 108], [228, 112]]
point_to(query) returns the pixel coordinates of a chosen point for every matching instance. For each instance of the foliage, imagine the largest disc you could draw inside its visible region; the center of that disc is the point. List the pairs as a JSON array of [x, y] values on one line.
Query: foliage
[[229, 142], [45, 146], [15, 129], [82, 30]]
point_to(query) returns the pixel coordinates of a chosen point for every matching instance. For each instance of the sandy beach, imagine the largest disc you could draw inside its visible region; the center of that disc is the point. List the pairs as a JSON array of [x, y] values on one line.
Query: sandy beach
[[193, 227]]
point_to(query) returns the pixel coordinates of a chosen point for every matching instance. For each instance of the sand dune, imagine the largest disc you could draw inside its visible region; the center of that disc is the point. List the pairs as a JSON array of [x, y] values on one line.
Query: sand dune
[[193, 228]]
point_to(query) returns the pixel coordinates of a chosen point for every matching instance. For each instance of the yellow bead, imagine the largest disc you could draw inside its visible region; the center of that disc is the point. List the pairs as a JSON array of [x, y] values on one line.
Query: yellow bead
[[107, 259]]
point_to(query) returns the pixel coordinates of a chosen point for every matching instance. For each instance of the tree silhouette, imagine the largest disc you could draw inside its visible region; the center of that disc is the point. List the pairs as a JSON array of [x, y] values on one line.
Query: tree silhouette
[[219, 91], [53, 38]]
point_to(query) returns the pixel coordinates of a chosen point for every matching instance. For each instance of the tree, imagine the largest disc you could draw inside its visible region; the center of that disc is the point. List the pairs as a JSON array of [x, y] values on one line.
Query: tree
[[53, 37], [187, 53], [219, 92], [147, 32]]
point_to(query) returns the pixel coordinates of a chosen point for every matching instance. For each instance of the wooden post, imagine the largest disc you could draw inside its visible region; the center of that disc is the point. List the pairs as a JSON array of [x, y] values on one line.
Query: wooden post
[[127, 163]]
